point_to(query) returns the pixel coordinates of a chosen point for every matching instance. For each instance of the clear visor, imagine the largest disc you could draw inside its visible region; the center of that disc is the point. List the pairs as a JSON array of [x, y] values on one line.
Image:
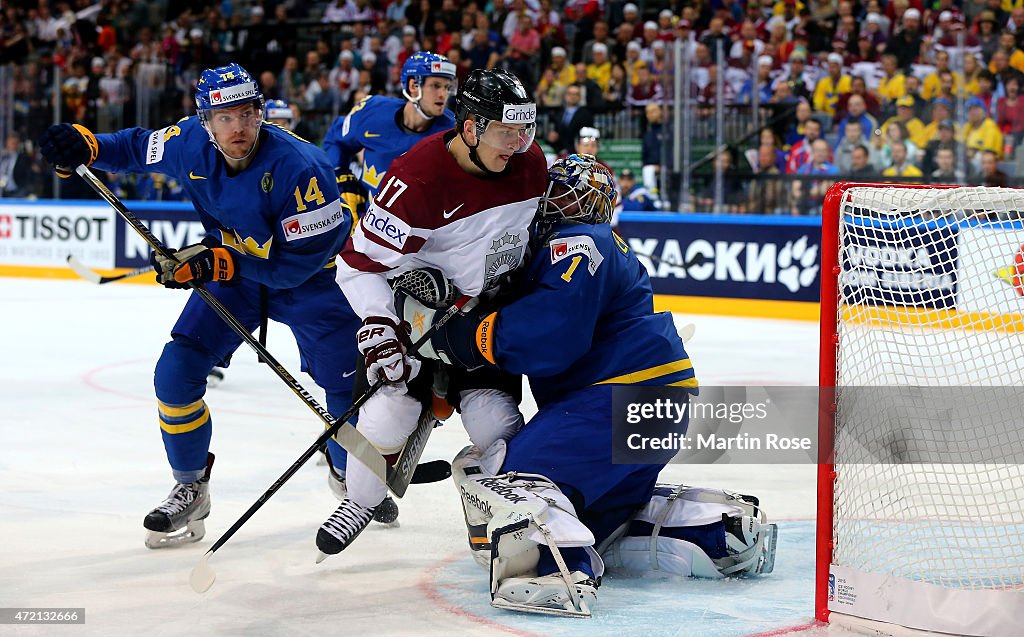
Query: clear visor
[[244, 118], [506, 138]]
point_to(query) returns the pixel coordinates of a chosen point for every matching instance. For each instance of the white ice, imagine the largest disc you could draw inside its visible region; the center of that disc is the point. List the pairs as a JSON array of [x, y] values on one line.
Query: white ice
[[82, 463]]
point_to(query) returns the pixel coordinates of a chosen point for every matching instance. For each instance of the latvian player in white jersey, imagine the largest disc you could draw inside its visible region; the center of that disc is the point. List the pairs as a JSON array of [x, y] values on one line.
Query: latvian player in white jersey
[[461, 202]]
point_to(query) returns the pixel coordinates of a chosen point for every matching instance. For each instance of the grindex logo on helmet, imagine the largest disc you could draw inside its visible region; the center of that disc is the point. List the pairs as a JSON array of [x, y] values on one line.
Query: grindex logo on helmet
[[518, 113]]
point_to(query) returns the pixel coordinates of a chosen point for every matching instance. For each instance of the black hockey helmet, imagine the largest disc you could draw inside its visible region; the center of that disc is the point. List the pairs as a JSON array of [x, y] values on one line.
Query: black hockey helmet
[[497, 96]]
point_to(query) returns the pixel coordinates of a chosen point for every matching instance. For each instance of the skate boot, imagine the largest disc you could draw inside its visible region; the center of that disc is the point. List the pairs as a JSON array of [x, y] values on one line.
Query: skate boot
[[547, 594], [385, 513], [344, 526], [179, 518], [215, 377]]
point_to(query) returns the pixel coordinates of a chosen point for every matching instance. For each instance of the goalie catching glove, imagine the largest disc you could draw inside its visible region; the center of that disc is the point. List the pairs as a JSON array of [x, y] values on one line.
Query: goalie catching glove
[[199, 264], [66, 146]]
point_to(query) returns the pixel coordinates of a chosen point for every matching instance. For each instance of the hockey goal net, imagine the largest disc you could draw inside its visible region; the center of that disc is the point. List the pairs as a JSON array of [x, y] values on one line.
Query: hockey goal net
[[921, 500]]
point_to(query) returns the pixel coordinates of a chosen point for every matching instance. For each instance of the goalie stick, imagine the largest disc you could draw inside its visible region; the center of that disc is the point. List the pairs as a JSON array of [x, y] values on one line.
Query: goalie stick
[[95, 277]]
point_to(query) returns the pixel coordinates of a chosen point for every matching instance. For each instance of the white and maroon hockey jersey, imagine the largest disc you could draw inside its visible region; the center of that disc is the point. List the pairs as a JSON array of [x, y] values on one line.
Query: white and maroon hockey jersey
[[429, 212]]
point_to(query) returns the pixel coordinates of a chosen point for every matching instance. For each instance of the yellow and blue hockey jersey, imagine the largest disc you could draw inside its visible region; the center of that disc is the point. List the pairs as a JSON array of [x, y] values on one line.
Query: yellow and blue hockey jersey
[[587, 317], [374, 125], [282, 214]]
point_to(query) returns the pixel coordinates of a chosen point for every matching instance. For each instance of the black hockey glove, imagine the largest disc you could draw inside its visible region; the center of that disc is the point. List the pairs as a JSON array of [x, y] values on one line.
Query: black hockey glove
[[353, 194], [199, 263], [68, 145]]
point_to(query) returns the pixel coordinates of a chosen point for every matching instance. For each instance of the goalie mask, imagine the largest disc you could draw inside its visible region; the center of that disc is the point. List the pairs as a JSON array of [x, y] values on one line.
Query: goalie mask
[[580, 190]]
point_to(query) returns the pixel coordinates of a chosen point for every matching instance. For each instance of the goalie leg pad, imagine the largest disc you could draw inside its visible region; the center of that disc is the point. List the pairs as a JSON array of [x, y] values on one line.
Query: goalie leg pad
[[509, 517], [670, 535]]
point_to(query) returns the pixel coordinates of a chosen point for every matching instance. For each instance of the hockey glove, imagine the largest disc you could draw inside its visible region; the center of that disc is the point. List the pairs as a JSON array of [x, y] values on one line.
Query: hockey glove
[[68, 145], [383, 344], [353, 195], [199, 264], [466, 340]]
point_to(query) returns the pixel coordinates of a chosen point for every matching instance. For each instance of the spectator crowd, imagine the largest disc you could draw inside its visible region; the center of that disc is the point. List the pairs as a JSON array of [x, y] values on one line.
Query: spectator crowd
[[867, 89]]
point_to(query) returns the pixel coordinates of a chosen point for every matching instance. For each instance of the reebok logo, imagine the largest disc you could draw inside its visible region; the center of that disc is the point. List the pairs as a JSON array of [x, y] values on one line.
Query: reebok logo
[[478, 503], [501, 488], [386, 226]]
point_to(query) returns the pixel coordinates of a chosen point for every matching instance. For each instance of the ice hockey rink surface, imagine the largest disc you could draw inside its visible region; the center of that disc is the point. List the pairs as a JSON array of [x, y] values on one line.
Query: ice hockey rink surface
[[82, 463]]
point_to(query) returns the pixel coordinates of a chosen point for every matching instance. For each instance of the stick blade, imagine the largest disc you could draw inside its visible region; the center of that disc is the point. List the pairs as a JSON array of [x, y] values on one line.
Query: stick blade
[[686, 332], [203, 575], [81, 270]]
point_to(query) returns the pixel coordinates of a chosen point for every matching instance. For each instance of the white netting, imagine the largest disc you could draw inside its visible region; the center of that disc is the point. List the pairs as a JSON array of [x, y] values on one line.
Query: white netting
[[930, 385]]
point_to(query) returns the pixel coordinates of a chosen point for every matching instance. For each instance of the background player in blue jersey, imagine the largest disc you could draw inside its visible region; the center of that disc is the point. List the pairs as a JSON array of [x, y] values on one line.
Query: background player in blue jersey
[[385, 127], [584, 322], [273, 219]]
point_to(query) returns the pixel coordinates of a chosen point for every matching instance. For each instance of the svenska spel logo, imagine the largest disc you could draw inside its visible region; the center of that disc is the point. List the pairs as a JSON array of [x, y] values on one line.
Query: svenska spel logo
[[831, 587], [559, 249], [5, 226], [293, 227]]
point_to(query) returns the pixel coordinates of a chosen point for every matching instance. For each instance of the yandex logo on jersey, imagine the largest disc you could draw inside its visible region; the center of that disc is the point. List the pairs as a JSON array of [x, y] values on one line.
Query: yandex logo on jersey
[[386, 226]]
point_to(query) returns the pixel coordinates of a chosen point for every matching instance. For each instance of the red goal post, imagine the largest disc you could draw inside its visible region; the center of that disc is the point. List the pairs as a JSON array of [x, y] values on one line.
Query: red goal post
[[922, 298]]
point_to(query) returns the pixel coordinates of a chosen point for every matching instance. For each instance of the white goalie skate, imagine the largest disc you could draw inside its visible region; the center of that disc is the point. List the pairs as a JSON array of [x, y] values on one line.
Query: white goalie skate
[[179, 518], [385, 513], [548, 594], [342, 528]]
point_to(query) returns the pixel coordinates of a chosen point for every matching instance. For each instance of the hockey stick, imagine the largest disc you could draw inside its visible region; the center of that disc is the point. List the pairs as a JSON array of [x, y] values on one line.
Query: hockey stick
[[94, 277], [408, 461], [347, 435], [202, 576], [696, 259]]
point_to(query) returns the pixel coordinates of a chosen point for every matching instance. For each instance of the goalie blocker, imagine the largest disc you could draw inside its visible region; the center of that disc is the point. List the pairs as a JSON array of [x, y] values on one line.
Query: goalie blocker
[[682, 530]]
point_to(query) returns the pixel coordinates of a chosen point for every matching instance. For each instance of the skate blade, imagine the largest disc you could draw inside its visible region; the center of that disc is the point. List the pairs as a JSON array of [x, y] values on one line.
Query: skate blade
[[388, 525], [568, 611], [321, 556], [190, 534]]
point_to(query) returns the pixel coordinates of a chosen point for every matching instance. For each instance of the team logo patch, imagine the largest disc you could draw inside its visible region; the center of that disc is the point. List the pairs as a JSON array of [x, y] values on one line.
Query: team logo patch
[[267, 182], [314, 222], [386, 226], [505, 255], [570, 246]]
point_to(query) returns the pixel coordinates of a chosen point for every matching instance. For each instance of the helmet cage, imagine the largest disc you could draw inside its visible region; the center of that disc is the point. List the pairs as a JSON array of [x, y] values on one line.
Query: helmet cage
[[580, 190]]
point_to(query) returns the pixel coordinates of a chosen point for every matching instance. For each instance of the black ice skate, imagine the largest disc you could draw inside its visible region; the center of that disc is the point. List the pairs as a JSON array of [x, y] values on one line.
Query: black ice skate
[[385, 513], [344, 526], [179, 518]]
